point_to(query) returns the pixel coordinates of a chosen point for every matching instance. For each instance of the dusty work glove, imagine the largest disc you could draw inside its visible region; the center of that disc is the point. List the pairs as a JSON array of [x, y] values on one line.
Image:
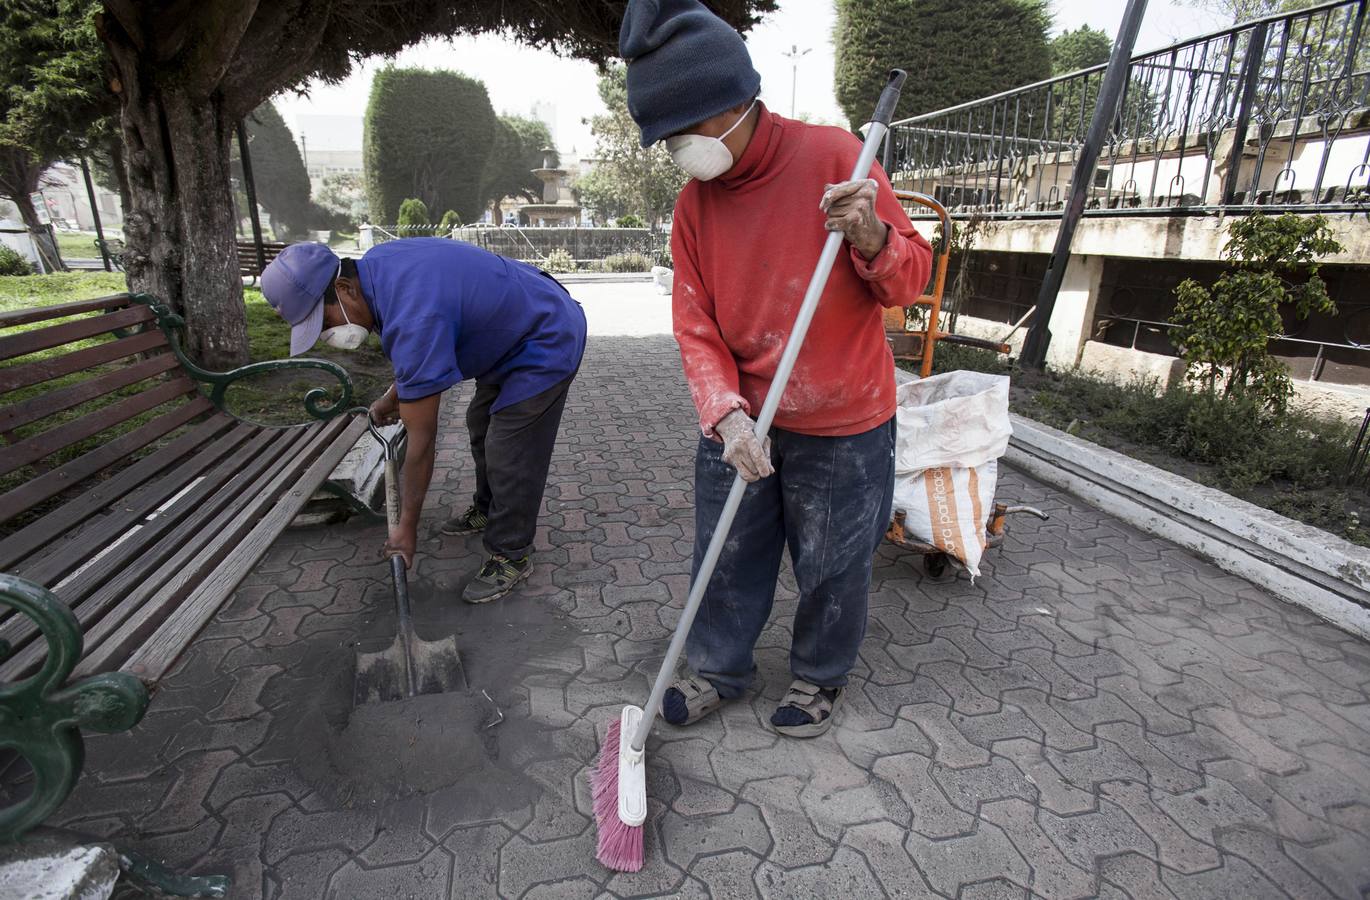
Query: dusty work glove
[[851, 210], [741, 450]]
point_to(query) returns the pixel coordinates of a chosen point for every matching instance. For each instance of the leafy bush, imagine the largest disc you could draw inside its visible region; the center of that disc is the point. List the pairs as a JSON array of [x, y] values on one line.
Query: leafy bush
[[627, 262], [450, 220], [663, 257], [559, 261], [414, 212], [1223, 333], [12, 262], [631, 221]]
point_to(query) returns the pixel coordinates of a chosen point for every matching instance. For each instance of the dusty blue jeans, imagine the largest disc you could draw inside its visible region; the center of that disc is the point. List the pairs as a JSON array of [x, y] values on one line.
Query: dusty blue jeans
[[829, 501]]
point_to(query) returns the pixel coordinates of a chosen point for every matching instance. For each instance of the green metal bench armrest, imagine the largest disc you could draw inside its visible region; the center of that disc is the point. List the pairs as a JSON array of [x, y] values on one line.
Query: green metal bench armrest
[[318, 402], [41, 719]]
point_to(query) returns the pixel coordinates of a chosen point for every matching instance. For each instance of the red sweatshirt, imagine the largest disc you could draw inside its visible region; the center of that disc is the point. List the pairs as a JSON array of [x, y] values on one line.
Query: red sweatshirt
[[744, 247]]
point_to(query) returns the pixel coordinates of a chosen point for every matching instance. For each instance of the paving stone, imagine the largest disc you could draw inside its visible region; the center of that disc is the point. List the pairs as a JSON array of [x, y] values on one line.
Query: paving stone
[[728, 874], [428, 877], [1052, 874], [1099, 713], [686, 839], [1177, 848], [845, 875], [981, 855]]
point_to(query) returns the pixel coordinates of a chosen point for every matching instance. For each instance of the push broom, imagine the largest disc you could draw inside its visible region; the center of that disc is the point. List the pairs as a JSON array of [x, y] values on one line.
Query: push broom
[[619, 780]]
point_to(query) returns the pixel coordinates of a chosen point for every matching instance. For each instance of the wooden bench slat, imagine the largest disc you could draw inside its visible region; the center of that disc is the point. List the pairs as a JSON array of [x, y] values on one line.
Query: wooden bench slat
[[119, 582], [56, 335], [20, 414], [144, 608], [159, 653], [50, 484], [27, 374], [36, 535], [60, 310], [141, 549], [40, 445], [66, 558]]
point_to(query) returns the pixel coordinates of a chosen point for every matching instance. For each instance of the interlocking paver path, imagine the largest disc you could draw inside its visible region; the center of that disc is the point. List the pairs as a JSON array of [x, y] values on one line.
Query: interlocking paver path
[[1101, 713]]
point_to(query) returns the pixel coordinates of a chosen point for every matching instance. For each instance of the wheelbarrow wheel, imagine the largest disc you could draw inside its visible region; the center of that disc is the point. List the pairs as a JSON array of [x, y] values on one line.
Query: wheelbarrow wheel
[[935, 565]]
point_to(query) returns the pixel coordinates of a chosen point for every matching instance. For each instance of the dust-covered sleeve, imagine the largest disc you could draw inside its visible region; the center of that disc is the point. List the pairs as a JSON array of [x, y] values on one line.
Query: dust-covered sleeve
[[897, 274], [710, 367], [423, 352]]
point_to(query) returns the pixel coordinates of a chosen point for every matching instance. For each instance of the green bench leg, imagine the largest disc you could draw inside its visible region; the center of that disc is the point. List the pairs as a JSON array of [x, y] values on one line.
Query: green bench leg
[[41, 720]]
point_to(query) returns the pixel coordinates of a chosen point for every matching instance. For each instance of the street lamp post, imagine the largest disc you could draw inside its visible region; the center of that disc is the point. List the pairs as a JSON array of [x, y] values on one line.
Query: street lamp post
[[794, 54]]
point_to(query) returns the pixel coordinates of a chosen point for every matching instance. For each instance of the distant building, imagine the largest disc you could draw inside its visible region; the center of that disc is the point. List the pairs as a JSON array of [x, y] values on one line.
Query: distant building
[[545, 111], [64, 193], [330, 145]]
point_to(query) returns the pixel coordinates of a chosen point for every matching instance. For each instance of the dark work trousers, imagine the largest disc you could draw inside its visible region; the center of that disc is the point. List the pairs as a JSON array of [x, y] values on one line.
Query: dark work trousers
[[829, 501], [513, 451]]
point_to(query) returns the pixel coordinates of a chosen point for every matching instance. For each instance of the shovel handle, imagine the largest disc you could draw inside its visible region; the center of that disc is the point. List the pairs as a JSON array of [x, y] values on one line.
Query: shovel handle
[[392, 493]]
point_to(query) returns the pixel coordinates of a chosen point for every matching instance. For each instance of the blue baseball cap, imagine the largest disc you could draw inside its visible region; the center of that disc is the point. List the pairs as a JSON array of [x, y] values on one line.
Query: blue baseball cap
[[294, 284]]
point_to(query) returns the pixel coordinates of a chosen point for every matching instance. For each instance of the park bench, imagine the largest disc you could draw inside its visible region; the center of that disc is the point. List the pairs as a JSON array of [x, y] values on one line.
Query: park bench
[[112, 249], [132, 521], [247, 256]]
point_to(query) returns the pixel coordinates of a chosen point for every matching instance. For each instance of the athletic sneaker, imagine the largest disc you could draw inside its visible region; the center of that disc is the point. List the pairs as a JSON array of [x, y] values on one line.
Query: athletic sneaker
[[473, 521], [496, 578]]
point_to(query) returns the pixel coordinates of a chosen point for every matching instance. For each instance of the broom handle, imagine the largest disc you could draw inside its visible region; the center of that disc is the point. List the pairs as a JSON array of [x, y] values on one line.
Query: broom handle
[[875, 136]]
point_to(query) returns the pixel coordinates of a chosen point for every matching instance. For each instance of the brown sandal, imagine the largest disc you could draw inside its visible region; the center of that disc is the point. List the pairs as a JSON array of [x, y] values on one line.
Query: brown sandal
[[701, 698], [818, 704]]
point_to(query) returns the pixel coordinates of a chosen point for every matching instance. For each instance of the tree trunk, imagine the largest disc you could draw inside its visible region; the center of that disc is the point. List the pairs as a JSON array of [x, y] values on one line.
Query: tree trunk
[[115, 149], [179, 226], [20, 173]]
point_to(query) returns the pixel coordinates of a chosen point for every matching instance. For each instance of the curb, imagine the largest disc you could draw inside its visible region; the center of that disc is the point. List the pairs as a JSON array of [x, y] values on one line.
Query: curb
[[604, 277], [1298, 563]]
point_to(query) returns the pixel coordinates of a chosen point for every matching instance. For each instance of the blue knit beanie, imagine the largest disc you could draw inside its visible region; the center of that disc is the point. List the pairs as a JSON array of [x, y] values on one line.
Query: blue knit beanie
[[685, 65]]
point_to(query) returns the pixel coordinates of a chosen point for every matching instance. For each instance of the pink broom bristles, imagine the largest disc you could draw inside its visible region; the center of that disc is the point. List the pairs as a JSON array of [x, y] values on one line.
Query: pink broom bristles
[[620, 845]]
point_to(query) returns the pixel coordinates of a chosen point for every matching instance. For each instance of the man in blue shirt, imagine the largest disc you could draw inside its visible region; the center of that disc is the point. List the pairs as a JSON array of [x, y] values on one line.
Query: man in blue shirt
[[447, 311]]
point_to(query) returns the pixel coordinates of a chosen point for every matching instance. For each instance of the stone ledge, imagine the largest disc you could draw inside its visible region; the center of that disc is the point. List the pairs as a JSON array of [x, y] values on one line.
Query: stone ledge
[[1298, 563]]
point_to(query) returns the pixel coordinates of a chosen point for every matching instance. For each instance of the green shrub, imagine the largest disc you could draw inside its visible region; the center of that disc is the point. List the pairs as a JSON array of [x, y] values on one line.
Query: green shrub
[[450, 220], [627, 262], [631, 221], [559, 261], [414, 212], [12, 262], [663, 257], [1223, 332]]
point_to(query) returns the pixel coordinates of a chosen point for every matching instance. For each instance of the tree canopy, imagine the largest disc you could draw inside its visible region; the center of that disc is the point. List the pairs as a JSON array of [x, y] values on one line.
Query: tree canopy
[[1079, 49], [53, 101], [517, 150], [953, 50], [186, 72], [626, 178], [429, 134]]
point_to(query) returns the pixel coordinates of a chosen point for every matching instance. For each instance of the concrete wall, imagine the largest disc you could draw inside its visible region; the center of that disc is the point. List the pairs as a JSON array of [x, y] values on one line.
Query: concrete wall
[[1149, 237]]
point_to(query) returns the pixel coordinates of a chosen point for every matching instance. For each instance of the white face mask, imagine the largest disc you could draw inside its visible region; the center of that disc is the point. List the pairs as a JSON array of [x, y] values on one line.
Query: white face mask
[[701, 156], [344, 337]]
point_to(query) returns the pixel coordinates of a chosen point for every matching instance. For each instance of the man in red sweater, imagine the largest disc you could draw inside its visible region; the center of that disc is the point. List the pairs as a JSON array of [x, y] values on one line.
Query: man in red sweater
[[748, 230]]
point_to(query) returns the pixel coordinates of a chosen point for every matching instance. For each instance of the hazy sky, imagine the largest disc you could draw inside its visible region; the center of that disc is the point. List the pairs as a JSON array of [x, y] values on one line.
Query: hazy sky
[[516, 75]]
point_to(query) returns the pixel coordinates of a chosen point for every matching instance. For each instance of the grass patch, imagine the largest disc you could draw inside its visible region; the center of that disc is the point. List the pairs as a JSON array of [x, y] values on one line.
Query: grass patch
[[1290, 463], [78, 245], [26, 291]]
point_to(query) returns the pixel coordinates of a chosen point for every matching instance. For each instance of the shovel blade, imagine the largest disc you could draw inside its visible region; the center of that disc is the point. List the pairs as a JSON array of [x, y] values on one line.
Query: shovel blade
[[381, 675]]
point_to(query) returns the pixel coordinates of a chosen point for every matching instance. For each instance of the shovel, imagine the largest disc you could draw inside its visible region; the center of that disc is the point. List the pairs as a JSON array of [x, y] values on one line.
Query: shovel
[[410, 665]]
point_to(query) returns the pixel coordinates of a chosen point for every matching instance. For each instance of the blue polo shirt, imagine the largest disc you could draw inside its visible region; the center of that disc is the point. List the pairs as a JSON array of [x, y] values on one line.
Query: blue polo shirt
[[448, 311]]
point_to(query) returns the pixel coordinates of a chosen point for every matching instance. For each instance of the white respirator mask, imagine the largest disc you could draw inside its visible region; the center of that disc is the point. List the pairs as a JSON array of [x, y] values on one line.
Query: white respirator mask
[[347, 336], [701, 156]]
